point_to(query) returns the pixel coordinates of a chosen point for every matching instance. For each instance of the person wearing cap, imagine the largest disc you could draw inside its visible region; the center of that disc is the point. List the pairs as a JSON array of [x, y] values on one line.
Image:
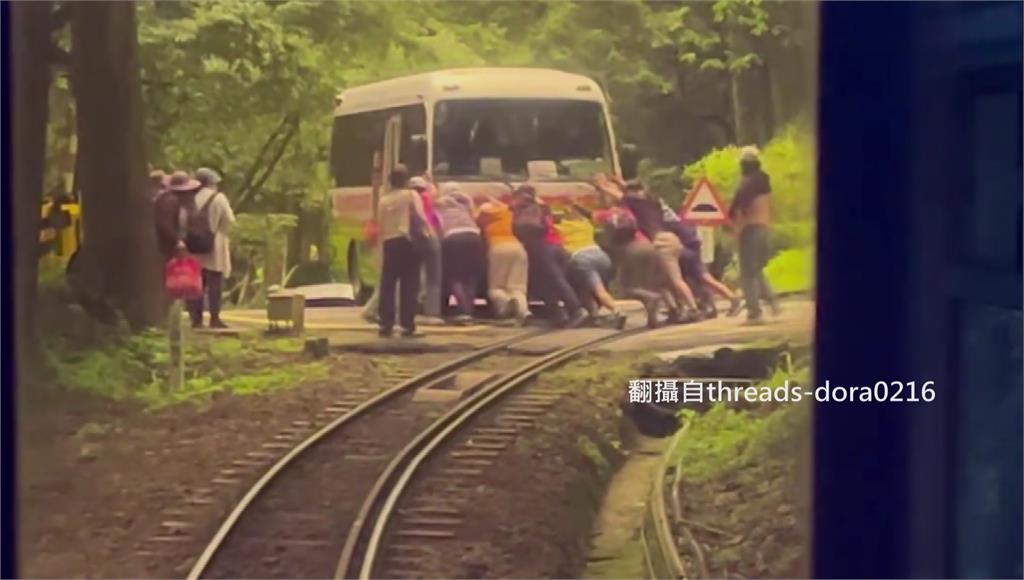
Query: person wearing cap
[[548, 260], [751, 214], [462, 248], [507, 264], [430, 248], [402, 223], [216, 264], [171, 213]]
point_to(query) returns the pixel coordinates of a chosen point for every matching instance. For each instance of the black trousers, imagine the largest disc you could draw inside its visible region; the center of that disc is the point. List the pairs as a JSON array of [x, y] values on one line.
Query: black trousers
[[754, 255], [213, 284], [547, 275], [400, 267], [463, 264]]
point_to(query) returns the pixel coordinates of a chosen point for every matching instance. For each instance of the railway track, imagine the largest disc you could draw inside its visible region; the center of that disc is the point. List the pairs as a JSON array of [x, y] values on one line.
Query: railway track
[[335, 492]]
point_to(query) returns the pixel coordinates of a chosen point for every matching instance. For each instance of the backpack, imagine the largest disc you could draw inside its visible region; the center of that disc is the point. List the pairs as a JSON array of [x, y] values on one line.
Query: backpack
[[199, 235], [620, 225], [530, 222]]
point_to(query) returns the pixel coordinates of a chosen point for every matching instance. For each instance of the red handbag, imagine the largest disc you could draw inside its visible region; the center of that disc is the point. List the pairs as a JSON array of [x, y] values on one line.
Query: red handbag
[[183, 278]]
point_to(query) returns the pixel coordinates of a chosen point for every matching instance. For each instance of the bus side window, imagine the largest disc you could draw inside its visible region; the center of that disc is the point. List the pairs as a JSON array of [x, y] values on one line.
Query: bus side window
[[354, 140], [413, 154]]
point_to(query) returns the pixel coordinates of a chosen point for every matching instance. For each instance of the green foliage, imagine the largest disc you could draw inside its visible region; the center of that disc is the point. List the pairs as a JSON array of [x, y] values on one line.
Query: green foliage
[[724, 441], [789, 159], [792, 270], [136, 367], [592, 452]]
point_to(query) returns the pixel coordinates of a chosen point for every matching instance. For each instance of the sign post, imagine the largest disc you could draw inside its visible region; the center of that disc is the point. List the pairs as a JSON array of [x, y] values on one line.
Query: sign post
[[176, 340], [705, 208]]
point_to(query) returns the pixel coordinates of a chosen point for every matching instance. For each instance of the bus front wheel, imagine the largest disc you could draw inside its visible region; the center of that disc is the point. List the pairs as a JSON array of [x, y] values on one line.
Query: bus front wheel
[[360, 291]]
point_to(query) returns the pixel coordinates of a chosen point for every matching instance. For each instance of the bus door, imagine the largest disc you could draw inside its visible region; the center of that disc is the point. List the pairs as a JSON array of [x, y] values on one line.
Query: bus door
[[391, 152]]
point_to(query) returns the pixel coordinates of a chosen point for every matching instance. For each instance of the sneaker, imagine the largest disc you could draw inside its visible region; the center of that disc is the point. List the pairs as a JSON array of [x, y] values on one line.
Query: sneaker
[[218, 324], [463, 319], [578, 319], [674, 317], [385, 333], [197, 324], [757, 321], [618, 320], [710, 313], [510, 309], [560, 319], [735, 307], [411, 333]]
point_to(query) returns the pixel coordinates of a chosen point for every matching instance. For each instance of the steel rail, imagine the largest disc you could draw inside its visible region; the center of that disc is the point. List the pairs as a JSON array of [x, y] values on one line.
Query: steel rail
[[385, 495], [433, 375]]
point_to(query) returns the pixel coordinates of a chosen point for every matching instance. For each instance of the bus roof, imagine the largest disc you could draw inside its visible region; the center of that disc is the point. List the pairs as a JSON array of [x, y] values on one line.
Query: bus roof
[[469, 83]]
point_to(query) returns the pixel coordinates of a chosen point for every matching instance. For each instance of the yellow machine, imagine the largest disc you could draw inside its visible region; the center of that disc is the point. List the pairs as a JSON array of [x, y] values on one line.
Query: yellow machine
[[60, 231]]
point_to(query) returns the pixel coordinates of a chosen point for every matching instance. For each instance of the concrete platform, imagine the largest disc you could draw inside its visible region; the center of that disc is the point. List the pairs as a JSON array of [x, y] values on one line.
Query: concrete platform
[[796, 322]]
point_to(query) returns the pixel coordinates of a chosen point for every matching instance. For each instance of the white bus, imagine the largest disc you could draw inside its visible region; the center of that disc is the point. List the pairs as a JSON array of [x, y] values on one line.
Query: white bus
[[487, 129]]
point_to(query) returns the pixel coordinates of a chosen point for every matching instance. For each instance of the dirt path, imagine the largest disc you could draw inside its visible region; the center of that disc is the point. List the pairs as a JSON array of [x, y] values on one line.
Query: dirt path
[[97, 478]]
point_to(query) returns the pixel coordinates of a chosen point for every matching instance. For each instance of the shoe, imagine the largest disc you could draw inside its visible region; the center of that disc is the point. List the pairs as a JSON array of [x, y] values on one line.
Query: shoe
[[710, 313], [735, 307], [197, 325], [463, 319], [578, 319], [385, 333], [618, 320], [757, 321], [218, 324], [411, 333], [510, 309], [560, 319]]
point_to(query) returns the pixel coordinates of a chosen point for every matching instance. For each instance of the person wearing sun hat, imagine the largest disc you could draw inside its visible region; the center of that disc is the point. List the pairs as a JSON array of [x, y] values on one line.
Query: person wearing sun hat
[[751, 214], [170, 219]]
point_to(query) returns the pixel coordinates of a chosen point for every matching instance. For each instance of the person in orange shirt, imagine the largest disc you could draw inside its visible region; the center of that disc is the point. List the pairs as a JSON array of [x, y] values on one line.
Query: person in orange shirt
[[507, 265]]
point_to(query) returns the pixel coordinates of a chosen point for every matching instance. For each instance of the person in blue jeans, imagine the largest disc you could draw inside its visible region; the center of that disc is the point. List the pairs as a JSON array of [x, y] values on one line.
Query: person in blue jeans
[[751, 212]]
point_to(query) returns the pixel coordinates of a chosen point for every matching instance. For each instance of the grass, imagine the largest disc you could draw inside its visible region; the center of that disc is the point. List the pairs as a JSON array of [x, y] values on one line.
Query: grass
[[137, 367]]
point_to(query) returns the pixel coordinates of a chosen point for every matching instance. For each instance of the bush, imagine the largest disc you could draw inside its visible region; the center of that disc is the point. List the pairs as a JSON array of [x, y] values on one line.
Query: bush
[[792, 270], [789, 159]]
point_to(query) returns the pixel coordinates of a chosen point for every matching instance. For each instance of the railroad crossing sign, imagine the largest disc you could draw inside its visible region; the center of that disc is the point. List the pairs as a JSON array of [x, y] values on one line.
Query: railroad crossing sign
[[703, 206]]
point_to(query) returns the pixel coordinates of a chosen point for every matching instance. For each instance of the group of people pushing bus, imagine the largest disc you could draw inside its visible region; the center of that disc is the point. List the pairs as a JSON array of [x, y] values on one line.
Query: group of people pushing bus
[[441, 234]]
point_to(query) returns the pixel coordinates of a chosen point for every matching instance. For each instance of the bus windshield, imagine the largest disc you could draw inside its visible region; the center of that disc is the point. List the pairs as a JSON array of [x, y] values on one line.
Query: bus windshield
[[520, 139]]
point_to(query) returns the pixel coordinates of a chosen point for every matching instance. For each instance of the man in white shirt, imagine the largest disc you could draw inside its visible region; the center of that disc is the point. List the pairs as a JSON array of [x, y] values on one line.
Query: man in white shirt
[[216, 264]]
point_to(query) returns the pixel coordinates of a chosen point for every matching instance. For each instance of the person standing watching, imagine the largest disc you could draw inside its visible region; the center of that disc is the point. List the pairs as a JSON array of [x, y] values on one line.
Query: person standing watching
[[217, 263], [431, 253], [751, 212], [402, 224]]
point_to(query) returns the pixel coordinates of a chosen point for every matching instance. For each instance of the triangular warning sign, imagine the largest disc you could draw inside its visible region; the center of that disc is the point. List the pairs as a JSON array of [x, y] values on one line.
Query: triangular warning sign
[[703, 206]]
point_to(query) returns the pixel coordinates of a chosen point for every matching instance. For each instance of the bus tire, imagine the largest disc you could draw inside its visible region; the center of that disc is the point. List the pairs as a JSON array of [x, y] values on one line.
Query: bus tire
[[360, 291]]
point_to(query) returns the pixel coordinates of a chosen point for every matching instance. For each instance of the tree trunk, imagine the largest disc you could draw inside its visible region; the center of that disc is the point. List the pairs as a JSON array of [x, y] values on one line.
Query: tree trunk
[[120, 261], [30, 42], [737, 108]]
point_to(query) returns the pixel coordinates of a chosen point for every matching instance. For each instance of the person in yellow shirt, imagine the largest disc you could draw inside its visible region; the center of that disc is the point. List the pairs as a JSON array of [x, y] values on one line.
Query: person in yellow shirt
[[507, 265], [589, 266]]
